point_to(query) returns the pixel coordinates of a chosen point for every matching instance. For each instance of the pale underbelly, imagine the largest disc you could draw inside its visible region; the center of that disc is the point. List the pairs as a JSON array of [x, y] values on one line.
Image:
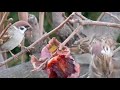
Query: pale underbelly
[[12, 43]]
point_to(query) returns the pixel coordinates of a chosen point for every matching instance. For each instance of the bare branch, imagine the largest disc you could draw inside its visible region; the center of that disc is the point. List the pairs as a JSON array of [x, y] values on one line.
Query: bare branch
[[99, 23], [57, 18], [81, 16], [71, 27], [41, 22], [70, 36], [3, 18], [101, 15], [115, 17], [116, 50], [3, 32]]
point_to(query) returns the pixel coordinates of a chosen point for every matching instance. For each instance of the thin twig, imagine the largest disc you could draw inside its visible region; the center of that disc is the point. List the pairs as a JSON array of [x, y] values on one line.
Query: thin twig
[[101, 15], [116, 50], [71, 27], [3, 18], [3, 32], [39, 68], [39, 40], [99, 23], [70, 36], [81, 16], [5, 29], [115, 17], [41, 22], [84, 75]]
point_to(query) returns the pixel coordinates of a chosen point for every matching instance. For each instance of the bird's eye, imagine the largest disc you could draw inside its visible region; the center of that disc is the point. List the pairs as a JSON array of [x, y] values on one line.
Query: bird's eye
[[21, 28], [107, 48]]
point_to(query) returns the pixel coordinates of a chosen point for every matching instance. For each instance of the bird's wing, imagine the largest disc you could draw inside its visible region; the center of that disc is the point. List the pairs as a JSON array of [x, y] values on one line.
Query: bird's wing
[[8, 34]]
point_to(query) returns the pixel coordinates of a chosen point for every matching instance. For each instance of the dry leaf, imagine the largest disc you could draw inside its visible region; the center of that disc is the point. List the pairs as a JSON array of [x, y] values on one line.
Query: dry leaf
[[53, 49]]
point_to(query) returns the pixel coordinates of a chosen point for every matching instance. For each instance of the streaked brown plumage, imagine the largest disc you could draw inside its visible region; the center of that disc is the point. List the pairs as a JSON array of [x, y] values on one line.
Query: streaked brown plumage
[[101, 66]]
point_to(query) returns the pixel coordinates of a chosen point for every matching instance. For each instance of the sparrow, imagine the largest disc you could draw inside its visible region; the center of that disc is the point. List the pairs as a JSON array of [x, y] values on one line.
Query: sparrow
[[101, 65], [15, 34]]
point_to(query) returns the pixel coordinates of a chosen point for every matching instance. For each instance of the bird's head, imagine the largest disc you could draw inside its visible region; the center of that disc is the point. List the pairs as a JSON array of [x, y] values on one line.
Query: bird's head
[[23, 26], [100, 48]]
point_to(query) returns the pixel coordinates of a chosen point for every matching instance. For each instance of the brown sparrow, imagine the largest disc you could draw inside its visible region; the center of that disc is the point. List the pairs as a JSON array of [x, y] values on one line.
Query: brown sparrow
[[15, 33], [101, 65]]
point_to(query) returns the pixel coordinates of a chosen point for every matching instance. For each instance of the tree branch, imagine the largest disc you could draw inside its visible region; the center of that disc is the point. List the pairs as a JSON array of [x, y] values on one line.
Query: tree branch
[[115, 17], [81, 16], [3, 32], [101, 15], [3, 18], [116, 50], [70, 36], [99, 23], [71, 27], [41, 22]]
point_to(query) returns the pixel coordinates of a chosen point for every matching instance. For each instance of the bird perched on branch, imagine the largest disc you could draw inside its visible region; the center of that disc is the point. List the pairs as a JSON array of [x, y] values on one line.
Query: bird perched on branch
[[15, 34], [101, 66]]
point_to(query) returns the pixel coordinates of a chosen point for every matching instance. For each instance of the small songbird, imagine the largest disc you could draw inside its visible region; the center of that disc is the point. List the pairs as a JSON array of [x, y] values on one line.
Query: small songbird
[[15, 33], [101, 66]]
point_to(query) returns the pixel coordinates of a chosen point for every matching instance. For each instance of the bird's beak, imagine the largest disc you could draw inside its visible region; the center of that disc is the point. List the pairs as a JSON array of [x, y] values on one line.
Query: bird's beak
[[29, 27]]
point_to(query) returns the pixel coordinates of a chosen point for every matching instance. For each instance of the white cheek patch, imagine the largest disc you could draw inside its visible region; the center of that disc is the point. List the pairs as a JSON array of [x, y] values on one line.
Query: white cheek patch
[[107, 51], [22, 31]]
